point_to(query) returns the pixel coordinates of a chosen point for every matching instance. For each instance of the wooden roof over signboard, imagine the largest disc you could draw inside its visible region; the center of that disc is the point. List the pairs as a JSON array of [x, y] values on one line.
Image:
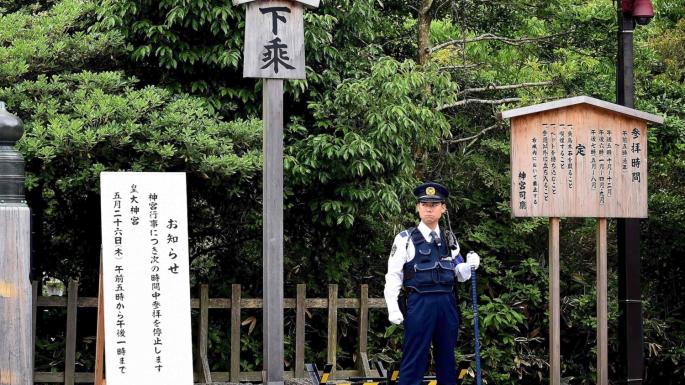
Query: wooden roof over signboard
[[582, 100], [308, 3]]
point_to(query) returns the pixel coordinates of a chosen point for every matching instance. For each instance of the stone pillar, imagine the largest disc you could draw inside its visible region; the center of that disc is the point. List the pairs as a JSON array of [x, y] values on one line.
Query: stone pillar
[[16, 340]]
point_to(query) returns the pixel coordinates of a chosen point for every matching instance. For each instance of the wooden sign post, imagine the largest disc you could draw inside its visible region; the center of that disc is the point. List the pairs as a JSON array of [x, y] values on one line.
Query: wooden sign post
[[579, 157], [274, 50]]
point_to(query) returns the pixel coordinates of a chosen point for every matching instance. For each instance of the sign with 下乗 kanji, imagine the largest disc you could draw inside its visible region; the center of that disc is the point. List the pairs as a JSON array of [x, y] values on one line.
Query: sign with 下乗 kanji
[[274, 40], [579, 157], [146, 287]]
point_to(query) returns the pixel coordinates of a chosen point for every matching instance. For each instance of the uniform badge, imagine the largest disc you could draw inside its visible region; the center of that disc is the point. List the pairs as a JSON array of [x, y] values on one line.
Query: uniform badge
[[393, 250], [430, 190]]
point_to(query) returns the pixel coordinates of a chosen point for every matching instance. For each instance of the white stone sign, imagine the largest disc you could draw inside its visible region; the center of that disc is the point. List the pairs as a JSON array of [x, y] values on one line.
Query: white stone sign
[[145, 278], [274, 40]]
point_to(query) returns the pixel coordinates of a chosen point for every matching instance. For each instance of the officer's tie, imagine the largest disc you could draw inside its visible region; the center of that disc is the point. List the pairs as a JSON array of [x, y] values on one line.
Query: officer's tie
[[433, 236]]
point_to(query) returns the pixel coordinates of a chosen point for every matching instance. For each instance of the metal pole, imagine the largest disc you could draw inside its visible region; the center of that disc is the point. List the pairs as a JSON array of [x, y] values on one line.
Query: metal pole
[[16, 326], [272, 247], [630, 338]]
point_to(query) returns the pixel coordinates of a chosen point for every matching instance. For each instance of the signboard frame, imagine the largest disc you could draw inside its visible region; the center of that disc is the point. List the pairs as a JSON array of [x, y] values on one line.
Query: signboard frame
[[578, 161]]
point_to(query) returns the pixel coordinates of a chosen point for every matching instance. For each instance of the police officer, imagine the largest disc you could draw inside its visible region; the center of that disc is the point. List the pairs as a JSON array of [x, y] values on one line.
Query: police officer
[[422, 263]]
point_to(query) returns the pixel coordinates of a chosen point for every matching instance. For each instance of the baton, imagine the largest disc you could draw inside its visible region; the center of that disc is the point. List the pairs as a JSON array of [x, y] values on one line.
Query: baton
[[474, 301]]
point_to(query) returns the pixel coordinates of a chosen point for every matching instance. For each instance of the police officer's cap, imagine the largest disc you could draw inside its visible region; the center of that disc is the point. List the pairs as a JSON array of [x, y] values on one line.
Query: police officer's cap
[[431, 192]]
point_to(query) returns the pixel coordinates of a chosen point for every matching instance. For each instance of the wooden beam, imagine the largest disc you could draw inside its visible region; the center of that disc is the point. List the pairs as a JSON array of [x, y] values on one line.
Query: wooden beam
[[362, 357], [554, 305], [203, 327], [299, 330], [225, 303], [16, 342], [70, 354], [602, 305], [272, 239], [561, 103], [235, 333], [245, 303], [332, 325], [82, 377]]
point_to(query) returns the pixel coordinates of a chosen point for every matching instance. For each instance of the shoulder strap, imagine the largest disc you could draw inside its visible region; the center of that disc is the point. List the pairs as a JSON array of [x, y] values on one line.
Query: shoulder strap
[[409, 231], [444, 245], [417, 238]]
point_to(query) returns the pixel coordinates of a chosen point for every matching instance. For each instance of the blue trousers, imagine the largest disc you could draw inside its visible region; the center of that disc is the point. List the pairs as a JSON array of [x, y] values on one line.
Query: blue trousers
[[431, 318]]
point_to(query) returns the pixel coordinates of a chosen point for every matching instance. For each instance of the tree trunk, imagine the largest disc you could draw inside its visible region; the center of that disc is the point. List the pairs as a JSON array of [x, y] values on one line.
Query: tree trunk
[[424, 22], [424, 53]]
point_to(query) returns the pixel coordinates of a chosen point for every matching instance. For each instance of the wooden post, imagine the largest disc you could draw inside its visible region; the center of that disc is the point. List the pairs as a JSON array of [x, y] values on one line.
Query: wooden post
[[70, 354], [203, 326], [332, 325], [16, 341], [266, 24], [235, 333], [299, 330], [554, 307], [100, 332], [272, 242], [602, 304], [362, 357]]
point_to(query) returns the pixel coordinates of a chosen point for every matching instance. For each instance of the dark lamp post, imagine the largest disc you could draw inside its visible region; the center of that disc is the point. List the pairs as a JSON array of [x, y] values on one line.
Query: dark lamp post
[[630, 333], [641, 10], [11, 162]]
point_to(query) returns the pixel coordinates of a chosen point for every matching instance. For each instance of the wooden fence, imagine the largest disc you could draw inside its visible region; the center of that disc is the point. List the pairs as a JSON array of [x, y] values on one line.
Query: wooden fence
[[236, 303]]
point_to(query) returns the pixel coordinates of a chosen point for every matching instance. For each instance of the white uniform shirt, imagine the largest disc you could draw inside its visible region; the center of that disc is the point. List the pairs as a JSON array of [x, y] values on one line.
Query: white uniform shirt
[[403, 252]]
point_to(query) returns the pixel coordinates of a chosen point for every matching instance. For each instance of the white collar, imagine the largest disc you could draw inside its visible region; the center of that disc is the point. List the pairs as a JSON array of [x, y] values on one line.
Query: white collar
[[425, 231]]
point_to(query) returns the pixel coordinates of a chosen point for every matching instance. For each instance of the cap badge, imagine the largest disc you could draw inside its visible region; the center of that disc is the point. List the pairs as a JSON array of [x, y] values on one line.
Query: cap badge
[[430, 190]]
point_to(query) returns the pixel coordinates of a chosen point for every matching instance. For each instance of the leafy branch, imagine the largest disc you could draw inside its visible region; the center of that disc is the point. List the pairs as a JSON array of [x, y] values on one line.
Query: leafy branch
[[479, 101], [492, 37], [472, 137], [492, 87]]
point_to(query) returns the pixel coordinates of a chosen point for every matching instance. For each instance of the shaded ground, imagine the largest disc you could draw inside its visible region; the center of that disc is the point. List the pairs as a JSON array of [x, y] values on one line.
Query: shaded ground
[[292, 381]]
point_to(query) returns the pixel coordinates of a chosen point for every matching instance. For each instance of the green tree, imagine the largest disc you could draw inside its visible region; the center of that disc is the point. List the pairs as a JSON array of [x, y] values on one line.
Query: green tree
[[106, 86]]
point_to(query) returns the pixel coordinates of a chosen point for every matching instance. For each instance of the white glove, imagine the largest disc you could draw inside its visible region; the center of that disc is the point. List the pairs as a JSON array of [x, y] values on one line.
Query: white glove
[[472, 259], [395, 317]]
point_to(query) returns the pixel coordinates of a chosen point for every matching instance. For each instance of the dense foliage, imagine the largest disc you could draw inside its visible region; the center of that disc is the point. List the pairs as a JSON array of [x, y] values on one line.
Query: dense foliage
[[157, 86]]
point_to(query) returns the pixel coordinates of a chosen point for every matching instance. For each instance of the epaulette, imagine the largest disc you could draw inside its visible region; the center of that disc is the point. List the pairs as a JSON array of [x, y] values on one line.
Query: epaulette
[[407, 232]]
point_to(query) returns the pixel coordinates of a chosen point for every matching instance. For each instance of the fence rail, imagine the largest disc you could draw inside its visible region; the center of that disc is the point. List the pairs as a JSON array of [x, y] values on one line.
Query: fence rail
[[203, 374]]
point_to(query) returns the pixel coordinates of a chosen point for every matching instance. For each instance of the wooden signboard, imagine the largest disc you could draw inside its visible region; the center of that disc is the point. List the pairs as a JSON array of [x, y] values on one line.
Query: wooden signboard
[[580, 157], [274, 40], [145, 277]]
